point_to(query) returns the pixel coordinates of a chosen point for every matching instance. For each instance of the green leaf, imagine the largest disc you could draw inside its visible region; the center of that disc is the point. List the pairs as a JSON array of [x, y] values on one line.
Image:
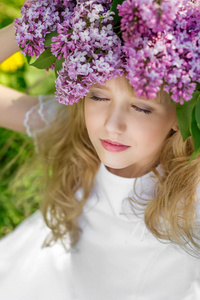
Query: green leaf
[[195, 131], [197, 86], [194, 154], [45, 60], [197, 112], [117, 18], [28, 58], [58, 65], [184, 115], [48, 38]]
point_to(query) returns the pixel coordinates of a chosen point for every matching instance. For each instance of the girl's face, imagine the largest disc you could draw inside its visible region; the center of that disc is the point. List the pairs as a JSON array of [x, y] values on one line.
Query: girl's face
[[114, 113]]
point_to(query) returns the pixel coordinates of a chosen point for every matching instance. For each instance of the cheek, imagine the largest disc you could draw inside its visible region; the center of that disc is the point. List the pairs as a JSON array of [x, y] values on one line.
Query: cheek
[[91, 119], [152, 132]]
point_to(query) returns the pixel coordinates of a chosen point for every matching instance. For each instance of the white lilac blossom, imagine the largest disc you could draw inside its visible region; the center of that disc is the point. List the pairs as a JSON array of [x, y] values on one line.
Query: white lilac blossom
[[158, 44]]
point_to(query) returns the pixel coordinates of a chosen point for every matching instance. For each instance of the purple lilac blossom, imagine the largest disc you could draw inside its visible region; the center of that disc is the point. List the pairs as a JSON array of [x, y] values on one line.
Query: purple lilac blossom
[[144, 48], [105, 3], [37, 20], [91, 49], [184, 51], [170, 55], [159, 46]]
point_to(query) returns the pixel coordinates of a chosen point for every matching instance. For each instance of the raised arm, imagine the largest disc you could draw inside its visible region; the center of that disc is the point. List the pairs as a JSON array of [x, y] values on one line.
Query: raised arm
[[7, 41], [13, 104], [8, 44], [13, 108]]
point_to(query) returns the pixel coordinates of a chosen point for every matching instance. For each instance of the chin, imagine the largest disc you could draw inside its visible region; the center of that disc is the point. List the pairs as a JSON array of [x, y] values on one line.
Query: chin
[[115, 164]]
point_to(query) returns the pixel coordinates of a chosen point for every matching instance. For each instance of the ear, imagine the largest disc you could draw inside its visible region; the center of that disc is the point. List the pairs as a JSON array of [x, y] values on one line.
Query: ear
[[175, 126]]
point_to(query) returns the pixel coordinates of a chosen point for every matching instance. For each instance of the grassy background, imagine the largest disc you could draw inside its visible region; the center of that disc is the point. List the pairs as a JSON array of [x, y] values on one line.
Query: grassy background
[[16, 148]]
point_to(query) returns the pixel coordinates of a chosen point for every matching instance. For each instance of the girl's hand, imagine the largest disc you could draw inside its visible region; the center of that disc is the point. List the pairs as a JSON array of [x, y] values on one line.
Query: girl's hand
[[26, 2], [7, 41]]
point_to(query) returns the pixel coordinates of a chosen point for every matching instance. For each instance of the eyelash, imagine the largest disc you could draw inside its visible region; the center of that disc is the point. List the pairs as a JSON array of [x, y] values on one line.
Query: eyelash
[[145, 111]]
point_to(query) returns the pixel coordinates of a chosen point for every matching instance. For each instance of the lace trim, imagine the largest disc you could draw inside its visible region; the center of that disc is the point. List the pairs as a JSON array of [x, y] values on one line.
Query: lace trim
[[40, 116], [45, 111], [26, 120], [40, 111]]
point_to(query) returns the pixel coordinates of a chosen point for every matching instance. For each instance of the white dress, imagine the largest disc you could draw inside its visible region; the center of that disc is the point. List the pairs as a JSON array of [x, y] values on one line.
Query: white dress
[[116, 258]]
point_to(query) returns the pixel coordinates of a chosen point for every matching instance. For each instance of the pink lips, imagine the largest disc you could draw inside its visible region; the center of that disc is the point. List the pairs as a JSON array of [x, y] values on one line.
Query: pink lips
[[113, 146]]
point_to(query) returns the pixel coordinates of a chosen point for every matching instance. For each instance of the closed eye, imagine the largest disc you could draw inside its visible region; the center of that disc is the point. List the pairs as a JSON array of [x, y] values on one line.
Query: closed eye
[[98, 99], [146, 111]]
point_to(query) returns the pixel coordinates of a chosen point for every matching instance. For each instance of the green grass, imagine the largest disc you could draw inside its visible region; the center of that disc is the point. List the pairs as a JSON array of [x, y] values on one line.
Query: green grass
[[15, 205]]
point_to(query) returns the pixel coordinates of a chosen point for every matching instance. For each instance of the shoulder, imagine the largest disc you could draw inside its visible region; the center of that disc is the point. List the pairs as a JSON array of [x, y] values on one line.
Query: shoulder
[[41, 115], [48, 108]]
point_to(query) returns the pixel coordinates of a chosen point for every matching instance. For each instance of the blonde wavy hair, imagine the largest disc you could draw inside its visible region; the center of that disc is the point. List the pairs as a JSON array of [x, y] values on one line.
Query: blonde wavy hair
[[171, 215], [70, 163]]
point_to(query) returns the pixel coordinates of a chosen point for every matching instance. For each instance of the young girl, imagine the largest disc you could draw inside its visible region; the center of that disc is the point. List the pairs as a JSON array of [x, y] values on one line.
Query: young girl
[[121, 199]]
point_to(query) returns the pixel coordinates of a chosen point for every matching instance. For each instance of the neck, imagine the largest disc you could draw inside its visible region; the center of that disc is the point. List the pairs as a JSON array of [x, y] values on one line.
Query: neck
[[128, 173]]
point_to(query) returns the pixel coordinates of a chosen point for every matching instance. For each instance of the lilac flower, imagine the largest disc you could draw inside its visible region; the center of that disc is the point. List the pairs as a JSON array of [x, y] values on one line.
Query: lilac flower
[[159, 45], [184, 52], [36, 21], [161, 48], [150, 14], [105, 3], [93, 55]]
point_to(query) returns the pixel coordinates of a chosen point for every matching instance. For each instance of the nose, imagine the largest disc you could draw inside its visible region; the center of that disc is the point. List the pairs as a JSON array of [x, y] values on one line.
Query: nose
[[115, 120]]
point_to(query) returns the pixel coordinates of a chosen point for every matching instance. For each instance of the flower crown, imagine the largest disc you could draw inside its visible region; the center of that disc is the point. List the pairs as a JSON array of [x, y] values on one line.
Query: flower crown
[[156, 42]]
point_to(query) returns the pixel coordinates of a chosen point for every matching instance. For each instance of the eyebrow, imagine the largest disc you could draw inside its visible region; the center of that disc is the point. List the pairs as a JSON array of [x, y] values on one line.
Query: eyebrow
[[99, 86], [104, 87]]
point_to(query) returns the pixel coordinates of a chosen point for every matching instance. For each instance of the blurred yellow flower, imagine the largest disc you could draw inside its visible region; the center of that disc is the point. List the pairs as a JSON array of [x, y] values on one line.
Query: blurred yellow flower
[[13, 63]]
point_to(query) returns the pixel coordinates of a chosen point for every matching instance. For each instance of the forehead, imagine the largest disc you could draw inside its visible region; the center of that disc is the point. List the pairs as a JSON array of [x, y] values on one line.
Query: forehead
[[121, 85]]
